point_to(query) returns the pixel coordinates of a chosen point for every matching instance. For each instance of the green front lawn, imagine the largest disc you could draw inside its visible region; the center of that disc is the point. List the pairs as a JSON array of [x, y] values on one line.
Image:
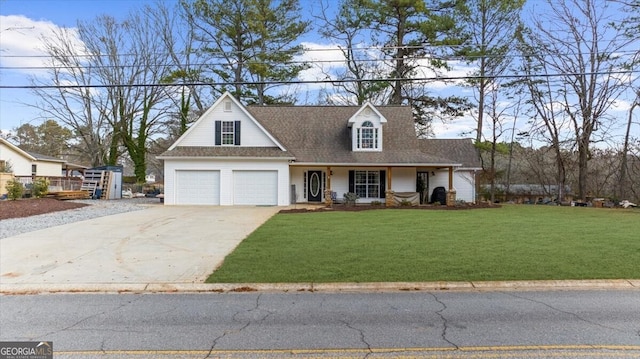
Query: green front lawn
[[517, 242]]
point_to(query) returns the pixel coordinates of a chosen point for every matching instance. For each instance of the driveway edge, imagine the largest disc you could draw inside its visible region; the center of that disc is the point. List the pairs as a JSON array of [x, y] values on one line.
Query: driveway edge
[[138, 288]]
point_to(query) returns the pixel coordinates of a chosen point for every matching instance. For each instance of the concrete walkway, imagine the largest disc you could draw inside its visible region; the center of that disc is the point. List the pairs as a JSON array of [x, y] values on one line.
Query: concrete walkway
[[174, 249], [160, 244]]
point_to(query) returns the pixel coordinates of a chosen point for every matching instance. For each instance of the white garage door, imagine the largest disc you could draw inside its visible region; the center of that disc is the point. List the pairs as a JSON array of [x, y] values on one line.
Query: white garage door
[[198, 187], [255, 187]]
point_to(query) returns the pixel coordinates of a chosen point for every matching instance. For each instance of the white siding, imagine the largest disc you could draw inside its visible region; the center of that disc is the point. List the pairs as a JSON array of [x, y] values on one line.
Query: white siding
[[48, 169], [464, 184], [226, 169], [403, 179], [204, 134], [21, 165]]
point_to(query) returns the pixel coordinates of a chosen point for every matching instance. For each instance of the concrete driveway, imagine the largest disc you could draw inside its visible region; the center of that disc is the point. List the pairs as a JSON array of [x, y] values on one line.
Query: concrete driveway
[[160, 244]]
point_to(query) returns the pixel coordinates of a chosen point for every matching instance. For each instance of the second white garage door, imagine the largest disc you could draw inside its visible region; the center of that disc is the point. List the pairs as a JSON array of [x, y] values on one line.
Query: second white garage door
[[255, 187], [198, 187]]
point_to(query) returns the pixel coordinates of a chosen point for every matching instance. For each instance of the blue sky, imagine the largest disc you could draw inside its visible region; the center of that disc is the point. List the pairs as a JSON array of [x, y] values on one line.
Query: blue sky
[[22, 22]]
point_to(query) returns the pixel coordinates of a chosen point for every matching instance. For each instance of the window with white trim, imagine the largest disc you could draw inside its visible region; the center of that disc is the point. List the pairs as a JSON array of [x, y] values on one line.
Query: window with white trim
[[228, 133], [367, 136], [367, 184]]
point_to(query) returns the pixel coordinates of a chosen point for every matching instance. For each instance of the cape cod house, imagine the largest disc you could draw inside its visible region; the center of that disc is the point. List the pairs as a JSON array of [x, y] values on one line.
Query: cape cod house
[[280, 155]]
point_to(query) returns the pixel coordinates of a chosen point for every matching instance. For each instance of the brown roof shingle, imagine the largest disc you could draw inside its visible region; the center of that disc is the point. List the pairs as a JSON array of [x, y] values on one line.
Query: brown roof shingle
[[226, 151], [462, 150], [320, 134]]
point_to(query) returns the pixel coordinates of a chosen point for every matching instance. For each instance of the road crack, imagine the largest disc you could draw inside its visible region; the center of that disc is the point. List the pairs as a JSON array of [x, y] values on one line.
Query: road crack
[[72, 326], [445, 322], [566, 312], [243, 327], [363, 339]]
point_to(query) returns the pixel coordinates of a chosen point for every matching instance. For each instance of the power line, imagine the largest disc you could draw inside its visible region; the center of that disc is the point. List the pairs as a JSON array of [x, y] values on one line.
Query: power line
[[337, 81]]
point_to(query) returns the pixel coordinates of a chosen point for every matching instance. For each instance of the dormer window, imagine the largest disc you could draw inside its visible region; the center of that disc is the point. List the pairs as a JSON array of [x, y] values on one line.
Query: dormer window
[[366, 129], [367, 136]]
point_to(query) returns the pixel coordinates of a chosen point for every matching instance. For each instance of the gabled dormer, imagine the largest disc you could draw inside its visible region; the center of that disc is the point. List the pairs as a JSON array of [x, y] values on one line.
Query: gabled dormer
[[366, 129]]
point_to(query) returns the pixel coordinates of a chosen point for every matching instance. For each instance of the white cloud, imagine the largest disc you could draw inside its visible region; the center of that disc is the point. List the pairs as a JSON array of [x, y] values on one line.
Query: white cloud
[[21, 43]]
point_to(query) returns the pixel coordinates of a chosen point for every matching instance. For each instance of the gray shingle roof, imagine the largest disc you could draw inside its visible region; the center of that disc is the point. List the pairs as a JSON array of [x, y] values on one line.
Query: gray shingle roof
[[462, 150], [319, 134], [227, 151]]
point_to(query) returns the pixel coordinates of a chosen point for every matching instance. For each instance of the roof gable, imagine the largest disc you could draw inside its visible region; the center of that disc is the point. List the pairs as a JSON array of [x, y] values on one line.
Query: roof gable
[[226, 108], [367, 112], [17, 150]]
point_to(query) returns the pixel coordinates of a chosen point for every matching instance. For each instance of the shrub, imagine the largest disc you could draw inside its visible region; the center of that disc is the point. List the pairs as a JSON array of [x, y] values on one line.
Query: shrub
[[40, 187], [350, 198], [376, 203], [15, 189], [406, 203]]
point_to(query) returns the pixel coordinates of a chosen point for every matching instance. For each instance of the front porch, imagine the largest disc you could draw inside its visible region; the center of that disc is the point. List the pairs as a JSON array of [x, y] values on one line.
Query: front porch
[[385, 185]]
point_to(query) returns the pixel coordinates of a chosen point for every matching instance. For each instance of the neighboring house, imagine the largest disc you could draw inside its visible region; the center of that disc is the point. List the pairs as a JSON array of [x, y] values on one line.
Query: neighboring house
[[279, 155], [27, 165]]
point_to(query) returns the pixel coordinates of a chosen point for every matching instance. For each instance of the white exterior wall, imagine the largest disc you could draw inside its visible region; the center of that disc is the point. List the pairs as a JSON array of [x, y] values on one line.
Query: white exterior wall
[[403, 179], [48, 169], [203, 134], [21, 165], [226, 169], [462, 183]]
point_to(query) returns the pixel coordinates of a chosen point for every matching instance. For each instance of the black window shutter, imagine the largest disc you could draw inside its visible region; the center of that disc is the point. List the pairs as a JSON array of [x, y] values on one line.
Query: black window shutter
[[218, 133], [237, 133], [352, 181], [383, 183]]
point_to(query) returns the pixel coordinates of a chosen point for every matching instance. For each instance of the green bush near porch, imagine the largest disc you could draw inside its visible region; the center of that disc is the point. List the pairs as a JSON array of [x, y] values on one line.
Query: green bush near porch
[[509, 243]]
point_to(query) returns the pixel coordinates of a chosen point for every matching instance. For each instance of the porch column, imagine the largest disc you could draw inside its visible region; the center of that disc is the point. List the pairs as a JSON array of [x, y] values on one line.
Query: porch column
[[451, 192], [328, 200], [388, 194]]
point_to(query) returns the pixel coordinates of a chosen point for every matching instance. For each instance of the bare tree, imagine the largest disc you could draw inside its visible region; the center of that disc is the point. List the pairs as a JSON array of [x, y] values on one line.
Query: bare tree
[[73, 106], [575, 42], [491, 25], [106, 78]]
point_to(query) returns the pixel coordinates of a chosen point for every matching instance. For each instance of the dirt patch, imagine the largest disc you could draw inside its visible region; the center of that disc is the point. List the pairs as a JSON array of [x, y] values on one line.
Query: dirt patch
[[366, 207], [33, 206]]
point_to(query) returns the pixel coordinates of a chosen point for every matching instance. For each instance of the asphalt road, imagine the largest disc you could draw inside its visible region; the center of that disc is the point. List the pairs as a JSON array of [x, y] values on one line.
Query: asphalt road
[[549, 324]]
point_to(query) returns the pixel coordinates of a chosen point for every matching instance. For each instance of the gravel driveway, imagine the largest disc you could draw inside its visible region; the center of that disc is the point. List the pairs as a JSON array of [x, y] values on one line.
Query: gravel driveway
[[97, 208]]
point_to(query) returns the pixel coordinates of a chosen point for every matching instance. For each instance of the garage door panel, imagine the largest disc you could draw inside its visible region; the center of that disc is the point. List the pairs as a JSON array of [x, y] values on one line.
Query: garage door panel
[[198, 187], [255, 187]]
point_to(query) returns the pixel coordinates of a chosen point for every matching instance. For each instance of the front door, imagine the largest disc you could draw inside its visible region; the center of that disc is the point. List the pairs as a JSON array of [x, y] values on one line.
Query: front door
[[314, 189]]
